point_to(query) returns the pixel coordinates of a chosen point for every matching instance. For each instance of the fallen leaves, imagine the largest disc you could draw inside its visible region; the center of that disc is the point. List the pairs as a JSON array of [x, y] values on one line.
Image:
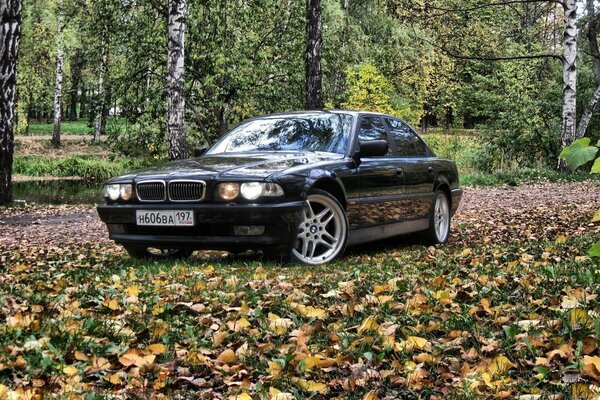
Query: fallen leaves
[[509, 309]]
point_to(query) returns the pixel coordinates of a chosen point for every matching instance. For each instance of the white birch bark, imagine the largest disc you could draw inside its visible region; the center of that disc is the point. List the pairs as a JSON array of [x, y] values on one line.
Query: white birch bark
[[569, 124], [100, 126], [176, 136], [58, 86], [10, 33]]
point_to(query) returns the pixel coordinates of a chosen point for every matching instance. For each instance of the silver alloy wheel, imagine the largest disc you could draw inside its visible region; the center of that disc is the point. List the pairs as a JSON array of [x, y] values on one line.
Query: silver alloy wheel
[[441, 218], [322, 232]]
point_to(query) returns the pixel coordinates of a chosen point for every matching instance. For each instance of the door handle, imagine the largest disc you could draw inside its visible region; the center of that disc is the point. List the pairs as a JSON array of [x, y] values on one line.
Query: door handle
[[430, 170], [399, 172]]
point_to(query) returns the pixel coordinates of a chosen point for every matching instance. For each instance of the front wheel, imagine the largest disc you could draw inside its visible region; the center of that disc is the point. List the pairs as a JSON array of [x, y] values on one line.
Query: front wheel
[[323, 230], [439, 219], [152, 253]]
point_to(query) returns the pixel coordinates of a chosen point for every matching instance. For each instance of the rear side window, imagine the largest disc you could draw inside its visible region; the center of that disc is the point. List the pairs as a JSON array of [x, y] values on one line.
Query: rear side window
[[408, 144], [372, 128]]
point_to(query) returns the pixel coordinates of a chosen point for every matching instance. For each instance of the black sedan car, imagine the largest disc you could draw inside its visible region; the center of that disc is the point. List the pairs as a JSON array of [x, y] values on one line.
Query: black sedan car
[[303, 184]]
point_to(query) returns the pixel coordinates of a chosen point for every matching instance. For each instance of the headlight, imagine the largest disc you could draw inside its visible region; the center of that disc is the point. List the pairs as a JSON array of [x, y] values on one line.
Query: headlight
[[229, 191], [115, 192], [125, 192], [112, 192], [251, 190]]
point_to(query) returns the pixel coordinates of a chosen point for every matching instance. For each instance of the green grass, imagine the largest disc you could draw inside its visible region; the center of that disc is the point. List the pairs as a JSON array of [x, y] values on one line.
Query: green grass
[[79, 127], [87, 168]]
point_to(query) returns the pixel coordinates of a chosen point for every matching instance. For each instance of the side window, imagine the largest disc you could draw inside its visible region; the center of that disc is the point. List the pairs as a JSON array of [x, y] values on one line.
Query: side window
[[407, 142], [372, 128]]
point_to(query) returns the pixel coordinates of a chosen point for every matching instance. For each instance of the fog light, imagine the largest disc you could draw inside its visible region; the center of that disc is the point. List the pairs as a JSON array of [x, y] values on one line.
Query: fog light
[[229, 191], [112, 192], [125, 192], [251, 190], [252, 230]]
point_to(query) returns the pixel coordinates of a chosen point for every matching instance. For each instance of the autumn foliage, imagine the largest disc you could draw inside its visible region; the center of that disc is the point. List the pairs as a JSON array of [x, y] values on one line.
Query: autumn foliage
[[509, 309]]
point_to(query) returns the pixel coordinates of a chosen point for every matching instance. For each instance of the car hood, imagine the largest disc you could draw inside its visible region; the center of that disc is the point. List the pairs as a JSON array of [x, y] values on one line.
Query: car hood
[[223, 166]]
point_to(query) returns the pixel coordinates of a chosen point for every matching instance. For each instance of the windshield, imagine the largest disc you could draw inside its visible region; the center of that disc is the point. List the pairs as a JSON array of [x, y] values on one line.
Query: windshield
[[302, 132]]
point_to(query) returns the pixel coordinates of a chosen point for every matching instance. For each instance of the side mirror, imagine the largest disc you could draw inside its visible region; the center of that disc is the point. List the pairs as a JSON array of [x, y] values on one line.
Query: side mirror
[[199, 151], [373, 148]]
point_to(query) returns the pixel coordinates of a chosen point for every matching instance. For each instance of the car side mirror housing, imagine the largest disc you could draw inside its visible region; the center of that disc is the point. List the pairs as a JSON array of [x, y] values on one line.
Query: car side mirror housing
[[373, 148], [199, 151]]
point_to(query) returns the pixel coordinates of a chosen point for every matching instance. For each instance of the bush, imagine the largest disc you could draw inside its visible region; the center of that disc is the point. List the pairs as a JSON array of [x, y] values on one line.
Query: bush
[[88, 169]]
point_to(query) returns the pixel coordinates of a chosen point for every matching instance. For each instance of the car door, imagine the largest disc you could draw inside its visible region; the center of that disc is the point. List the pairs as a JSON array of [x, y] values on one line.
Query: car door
[[379, 180], [416, 162]]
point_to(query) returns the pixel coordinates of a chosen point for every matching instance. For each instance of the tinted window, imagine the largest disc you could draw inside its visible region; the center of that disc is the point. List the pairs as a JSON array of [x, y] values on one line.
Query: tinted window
[[310, 132], [372, 128], [407, 141]]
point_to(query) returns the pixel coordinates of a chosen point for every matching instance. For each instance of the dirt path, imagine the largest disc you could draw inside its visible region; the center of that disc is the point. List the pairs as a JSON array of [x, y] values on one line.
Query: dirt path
[[533, 212]]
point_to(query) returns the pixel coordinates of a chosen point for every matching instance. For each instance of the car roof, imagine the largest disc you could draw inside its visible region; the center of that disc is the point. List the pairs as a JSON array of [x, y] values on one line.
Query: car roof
[[354, 113]]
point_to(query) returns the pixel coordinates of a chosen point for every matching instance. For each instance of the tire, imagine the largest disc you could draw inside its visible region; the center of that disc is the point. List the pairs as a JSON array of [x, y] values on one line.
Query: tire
[[439, 219], [152, 253], [323, 231]]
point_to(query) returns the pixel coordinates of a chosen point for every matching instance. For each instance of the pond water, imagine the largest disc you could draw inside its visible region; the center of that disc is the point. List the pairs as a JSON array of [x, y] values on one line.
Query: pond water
[[58, 192]]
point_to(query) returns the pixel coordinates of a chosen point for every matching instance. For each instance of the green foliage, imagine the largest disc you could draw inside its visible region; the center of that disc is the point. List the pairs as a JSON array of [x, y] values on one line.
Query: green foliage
[[81, 127], [368, 90], [594, 251], [462, 149], [89, 169], [578, 153]]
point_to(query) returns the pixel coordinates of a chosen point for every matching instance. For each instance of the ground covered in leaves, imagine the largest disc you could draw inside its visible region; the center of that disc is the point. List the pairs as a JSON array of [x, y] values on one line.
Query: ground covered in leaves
[[508, 309]]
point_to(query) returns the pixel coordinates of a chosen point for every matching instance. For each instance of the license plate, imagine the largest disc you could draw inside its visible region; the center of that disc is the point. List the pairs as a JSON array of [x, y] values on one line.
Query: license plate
[[165, 218]]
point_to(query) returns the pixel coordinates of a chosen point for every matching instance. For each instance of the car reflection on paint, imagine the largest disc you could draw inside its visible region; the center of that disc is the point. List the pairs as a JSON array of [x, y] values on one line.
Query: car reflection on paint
[[303, 185]]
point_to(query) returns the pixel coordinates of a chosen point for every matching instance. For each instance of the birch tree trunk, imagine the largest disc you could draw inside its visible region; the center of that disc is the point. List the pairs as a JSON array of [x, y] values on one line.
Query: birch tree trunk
[[58, 86], [568, 132], [100, 128], [314, 45], [10, 32], [176, 135]]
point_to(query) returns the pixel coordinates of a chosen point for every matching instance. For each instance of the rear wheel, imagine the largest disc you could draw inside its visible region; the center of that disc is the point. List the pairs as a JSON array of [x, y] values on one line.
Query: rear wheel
[[439, 219], [153, 253], [323, 231]]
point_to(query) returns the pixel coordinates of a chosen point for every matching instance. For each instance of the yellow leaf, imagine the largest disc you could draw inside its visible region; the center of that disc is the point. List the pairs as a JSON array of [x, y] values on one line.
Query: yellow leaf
[[115, 378], [579, 316], [372, 395], [243, 396], [592, 360], [133, 290], [561, 239], [443, 296], [416, 342], [3, 391], [500, 365], [369, 324], [596, 217], [219, 337], [311, 386], [157, 348], [113, 304], [279, 325], [239, 325], [274, 369], [70, 370], [80, 356], [282, 396], [227, 357], [581, 391]]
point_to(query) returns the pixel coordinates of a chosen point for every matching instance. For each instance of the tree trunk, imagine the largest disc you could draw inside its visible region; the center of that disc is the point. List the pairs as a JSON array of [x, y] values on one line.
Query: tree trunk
[[339, 74], [176, 136], [569, 133], [58, 87], [100, 128], [314, 45], [10, 32], [76, 67], [592, 33]]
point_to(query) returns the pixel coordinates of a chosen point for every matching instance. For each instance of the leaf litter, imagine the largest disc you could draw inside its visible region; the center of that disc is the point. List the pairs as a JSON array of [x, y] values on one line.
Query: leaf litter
[[508, 309]]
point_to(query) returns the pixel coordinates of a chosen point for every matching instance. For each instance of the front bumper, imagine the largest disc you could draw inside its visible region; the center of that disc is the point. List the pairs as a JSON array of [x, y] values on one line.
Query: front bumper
[[214, 227]]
